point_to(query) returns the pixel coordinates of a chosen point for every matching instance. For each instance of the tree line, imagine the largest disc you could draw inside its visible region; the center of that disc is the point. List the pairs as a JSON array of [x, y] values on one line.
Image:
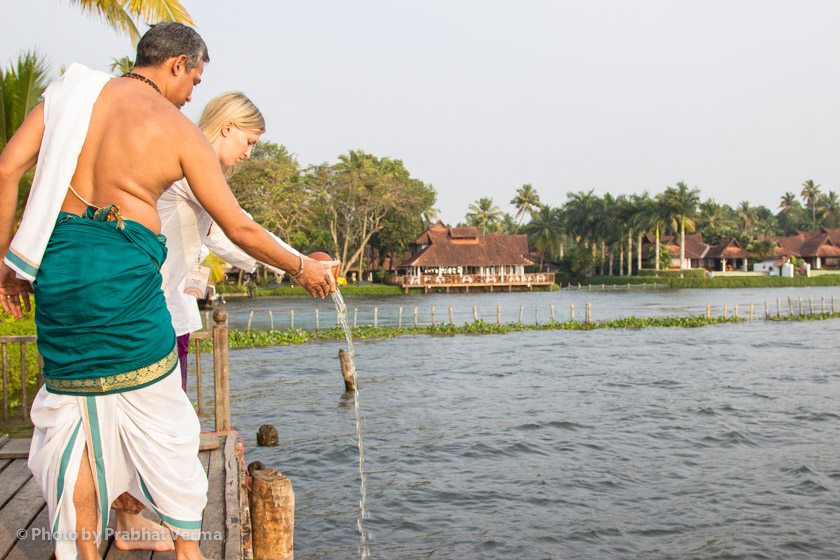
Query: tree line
[[591, 234]]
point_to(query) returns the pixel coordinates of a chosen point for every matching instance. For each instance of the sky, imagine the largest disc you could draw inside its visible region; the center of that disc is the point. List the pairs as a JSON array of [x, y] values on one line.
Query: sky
[[740, 99]]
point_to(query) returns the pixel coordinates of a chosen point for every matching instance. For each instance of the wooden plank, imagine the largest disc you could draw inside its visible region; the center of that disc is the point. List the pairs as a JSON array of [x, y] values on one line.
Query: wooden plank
[[37, 545], [4, 439], [214, 512], [233, 525], [18, 513], [245, 509], [12, 478], [208, 442], [16, 449]]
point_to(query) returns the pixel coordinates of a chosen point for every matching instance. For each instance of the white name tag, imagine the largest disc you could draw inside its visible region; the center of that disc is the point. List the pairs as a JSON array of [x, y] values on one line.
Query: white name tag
[[196, 282]]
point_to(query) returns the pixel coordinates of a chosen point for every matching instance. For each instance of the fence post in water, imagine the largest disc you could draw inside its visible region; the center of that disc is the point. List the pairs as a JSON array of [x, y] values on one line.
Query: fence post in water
[[537, 315], [272, 503], [790, 307], [588, 313], [822, 305], [415, 316], [348, 369], [317, 320], [355, 316], [810, 305], [399, 318], [778, 308], [800, 306], [832, 304], [433, 315], [291, 318], [551, 307], [708, 311], [250, 318], [498, 313], [752, 310], [475, 314], [270, 320], [221, 371], [521, 313], [572, 312], [375, 316], [451, 316], [766, 310], [724, 312], [735, 314]]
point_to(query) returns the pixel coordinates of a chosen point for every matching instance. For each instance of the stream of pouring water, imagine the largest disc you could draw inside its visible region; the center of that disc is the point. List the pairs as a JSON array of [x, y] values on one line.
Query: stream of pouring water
[[341, 311]]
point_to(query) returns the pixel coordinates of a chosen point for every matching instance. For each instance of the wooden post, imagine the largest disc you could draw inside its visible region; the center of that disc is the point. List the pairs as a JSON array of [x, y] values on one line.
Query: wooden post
[[800, 306], [250, 318], [399, 318], [572, 312], [752, 310], [810, 305], [272, 503], [375, 316], [778, 308], [724, 312], [551, 308], [451, 316], [355, 316], [766, 310], [822, 305], [221, 371], [588, 313], [291, 318], [537, 315], [317, 320], [735, 314], [270, 320], [790, 307], [521, 313], [348, 369], [23, 400], [433, 315], [498, 313], [708, 311], [832, 304], [475, 314], [415, 316], [199, 386], [5, 383]]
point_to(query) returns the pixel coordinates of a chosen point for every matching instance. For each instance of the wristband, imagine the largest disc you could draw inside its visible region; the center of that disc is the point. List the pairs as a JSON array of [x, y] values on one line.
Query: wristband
[[300, 270]]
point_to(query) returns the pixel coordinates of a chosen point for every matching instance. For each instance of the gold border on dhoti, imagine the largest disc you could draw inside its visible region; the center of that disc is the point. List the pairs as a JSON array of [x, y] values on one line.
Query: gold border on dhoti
[[119, 381]]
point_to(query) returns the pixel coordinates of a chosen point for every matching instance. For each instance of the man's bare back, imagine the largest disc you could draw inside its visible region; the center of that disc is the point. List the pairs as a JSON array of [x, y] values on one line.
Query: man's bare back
[[132, 152]]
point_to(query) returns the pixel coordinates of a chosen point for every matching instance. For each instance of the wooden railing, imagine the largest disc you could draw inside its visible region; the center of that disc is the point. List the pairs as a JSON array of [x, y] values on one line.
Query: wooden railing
[[22, 397]]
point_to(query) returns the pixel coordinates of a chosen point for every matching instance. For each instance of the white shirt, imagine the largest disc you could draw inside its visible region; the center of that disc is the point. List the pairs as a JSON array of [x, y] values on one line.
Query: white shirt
[[188, 228]]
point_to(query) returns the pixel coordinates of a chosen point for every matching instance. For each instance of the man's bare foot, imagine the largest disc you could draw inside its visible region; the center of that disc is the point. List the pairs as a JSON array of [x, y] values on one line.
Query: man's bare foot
[[132, 531]]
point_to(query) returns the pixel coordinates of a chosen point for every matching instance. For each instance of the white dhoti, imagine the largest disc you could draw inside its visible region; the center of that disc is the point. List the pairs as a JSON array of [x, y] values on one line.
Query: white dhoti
[[143, 441]]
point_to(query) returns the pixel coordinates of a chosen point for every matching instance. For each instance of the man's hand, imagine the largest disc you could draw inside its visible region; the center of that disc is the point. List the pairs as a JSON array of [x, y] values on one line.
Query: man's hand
[[317, 277], [12, 290]]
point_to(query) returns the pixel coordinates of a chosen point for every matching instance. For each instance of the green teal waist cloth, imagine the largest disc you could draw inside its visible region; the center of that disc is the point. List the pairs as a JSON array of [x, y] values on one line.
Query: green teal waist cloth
[[103, 326]]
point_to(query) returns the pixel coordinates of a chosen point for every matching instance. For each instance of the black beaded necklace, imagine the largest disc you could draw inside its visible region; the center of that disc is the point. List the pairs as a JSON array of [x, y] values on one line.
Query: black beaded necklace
[[142, 79]]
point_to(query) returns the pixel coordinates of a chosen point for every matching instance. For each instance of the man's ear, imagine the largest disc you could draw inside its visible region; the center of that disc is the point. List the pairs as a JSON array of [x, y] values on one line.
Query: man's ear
[[179, 64]]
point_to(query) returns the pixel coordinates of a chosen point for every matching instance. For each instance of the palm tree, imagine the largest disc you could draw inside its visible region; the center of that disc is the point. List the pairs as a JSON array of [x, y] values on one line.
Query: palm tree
[[122, 65], [527, 201], [21, 88], [644, 219], [788, 202], [830, 208], [484, 215], [747, 217], [545, 232], [682, 204], [123, 15], [811, 196]]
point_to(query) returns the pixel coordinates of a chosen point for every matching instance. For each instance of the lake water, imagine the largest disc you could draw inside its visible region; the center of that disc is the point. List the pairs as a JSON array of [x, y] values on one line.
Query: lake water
[[717, 442]]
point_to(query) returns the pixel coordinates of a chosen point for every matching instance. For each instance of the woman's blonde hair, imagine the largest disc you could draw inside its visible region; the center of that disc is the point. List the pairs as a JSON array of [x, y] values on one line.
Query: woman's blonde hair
[[233, 107]]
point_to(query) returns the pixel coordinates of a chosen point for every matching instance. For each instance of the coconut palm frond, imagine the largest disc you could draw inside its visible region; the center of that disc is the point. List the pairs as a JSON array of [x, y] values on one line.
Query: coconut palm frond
[[159, 10], [123, 15]]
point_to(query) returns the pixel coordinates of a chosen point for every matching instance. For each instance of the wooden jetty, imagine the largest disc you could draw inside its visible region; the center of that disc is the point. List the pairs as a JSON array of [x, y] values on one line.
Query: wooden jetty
[[226, 520]]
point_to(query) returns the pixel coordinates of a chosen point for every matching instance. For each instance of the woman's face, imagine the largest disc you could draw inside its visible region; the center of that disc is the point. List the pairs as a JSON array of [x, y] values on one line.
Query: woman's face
[[234, 144]]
